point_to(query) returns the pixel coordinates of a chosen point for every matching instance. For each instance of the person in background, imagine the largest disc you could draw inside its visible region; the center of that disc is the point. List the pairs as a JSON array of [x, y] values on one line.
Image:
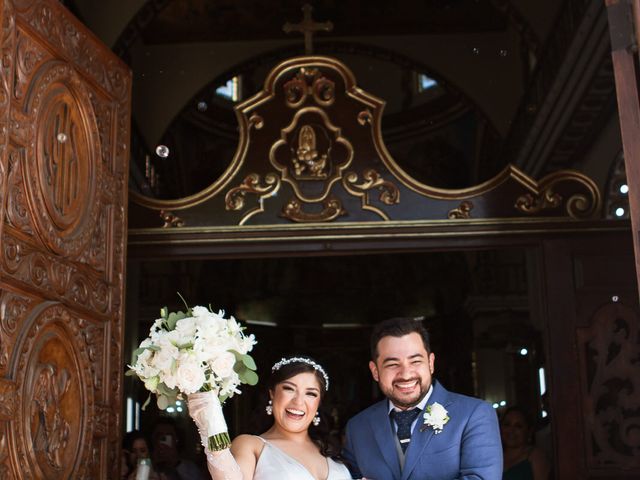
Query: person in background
[[136, 446], [166, 455], [522, 460]]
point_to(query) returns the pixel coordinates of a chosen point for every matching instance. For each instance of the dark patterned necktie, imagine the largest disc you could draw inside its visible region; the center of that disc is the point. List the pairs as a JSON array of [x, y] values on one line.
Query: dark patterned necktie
[[403, 420]]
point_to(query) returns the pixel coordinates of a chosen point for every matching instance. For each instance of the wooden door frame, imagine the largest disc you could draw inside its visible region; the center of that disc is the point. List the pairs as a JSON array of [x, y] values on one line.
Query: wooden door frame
[[355, 238], [404, 237]]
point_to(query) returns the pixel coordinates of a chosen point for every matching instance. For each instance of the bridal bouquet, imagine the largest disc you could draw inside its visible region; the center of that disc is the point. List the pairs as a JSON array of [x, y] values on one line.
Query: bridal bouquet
[[195, 351]]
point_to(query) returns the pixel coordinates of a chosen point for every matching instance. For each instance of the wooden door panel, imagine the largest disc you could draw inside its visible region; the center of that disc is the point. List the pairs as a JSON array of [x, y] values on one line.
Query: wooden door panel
[[594, 345], [64, 118]]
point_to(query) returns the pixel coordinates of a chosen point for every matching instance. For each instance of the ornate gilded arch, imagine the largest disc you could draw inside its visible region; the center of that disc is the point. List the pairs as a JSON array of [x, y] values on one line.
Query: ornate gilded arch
[[311, 151]]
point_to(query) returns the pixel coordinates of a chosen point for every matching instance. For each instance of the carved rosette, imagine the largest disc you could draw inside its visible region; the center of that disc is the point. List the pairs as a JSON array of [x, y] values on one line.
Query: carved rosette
[[609, 351], [54, 415], [61, 175]]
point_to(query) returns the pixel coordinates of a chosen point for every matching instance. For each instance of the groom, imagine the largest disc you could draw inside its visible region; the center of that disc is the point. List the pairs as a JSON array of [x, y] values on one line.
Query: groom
[[420, 431]]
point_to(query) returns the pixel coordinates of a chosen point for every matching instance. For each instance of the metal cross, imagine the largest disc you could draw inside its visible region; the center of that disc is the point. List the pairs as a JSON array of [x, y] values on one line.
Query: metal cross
[[307, 27]]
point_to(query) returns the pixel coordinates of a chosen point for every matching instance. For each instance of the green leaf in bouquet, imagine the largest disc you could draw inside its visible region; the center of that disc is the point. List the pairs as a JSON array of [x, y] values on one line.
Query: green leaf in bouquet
[[223, 398], [173, 318], [248, 376], [163, 402], [146, 402], [245, 359], [166, 391], [164, 312], [136, 353], [130, 373], [249, 362], [184, 301], [239, 367]]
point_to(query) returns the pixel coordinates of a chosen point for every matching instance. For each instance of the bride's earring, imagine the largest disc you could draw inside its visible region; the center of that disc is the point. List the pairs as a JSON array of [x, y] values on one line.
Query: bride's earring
[[316, 420], [269, 408]]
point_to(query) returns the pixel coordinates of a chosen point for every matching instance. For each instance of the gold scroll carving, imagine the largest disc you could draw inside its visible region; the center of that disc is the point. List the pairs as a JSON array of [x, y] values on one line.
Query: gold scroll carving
[[332, 209], [372, 180], [463, 211]]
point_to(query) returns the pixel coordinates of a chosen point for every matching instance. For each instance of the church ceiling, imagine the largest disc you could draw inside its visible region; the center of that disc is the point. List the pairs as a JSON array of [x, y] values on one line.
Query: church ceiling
[[232, 20]]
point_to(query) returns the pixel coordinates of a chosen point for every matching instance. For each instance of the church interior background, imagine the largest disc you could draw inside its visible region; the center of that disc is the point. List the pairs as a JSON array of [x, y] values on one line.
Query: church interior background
[[471, 86]]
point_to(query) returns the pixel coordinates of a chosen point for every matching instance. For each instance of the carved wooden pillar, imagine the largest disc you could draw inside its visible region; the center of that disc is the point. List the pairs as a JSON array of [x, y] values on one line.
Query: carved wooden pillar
[[64, 122]]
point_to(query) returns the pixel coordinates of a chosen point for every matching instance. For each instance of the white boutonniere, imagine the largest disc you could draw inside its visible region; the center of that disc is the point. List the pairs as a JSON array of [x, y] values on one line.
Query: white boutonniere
[[435, 416]]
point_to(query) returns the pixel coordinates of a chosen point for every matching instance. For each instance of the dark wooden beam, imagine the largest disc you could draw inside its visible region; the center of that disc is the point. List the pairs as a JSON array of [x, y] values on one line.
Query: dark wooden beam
[[624, 49]]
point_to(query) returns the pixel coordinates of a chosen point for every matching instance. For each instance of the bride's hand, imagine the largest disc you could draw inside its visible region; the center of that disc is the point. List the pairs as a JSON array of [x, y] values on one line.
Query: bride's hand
[[206, 412]]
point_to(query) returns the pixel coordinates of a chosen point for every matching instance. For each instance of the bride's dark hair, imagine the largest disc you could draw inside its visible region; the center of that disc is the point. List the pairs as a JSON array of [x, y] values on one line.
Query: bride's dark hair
[[320, 434]]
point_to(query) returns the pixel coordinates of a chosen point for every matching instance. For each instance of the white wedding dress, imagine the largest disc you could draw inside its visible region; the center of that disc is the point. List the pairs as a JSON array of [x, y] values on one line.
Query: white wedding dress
[[275, 464]]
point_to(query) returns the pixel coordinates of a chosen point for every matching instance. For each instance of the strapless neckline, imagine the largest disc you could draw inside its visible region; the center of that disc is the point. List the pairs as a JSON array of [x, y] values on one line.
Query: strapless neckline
[[275, 460]]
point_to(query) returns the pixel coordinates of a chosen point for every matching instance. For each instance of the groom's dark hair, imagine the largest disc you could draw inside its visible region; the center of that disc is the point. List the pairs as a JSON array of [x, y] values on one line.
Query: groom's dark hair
[[398, 327]]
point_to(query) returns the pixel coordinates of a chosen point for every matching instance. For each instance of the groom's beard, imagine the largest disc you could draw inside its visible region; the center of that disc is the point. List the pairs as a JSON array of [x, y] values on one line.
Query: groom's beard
[[406, 400]]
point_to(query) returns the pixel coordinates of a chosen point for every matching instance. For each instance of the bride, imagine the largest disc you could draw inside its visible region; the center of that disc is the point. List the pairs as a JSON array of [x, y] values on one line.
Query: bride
[[292, 449]]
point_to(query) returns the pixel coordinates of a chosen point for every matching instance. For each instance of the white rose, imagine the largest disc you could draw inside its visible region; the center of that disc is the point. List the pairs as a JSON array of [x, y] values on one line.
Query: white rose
[[438, 411], [186, 329], [222, 364], [190, 375], [164, 358], [436, 417]]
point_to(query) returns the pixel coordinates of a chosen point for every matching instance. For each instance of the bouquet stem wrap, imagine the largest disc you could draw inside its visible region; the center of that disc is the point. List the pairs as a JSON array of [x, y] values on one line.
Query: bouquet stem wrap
[[206, 411]]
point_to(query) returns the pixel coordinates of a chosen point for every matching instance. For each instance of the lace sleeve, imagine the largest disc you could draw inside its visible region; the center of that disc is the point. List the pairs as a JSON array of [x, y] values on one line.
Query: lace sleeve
[[222, 465]]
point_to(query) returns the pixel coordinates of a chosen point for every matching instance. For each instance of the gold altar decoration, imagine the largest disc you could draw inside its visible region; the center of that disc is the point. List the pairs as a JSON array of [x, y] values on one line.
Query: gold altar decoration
[[311, 151]]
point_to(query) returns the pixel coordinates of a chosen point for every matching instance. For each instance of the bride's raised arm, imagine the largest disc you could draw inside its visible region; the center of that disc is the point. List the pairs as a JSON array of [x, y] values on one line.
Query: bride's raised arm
[[237, 463]]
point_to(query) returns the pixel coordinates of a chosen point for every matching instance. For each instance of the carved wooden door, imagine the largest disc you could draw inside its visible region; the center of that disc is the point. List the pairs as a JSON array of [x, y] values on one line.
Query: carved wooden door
[[64, 122], [594, 343]]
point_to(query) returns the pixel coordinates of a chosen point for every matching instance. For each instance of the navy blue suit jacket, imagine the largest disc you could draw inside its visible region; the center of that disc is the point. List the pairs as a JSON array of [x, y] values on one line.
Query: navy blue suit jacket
[[468, 447]]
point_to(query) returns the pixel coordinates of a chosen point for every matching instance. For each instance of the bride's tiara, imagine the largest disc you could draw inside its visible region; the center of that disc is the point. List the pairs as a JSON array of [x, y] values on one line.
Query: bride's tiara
[[311, 363]]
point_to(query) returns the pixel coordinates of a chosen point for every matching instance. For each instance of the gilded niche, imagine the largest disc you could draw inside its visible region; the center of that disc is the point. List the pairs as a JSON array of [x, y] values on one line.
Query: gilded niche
[[311, 154]]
